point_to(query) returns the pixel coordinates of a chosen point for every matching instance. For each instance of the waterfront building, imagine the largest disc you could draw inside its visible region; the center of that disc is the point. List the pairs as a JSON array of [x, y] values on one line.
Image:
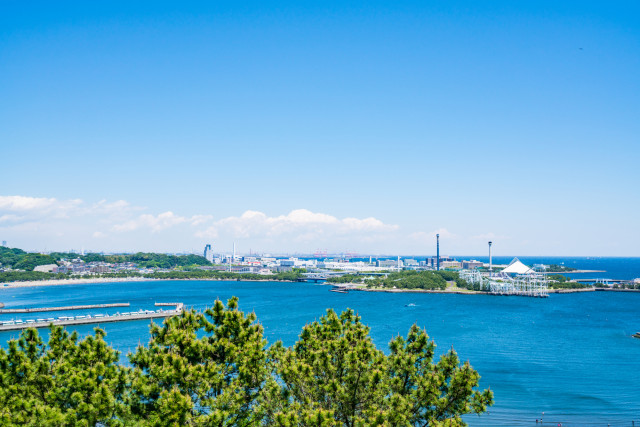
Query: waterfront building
[[386, 263], [433, 261], [470, 265], [455, 265]]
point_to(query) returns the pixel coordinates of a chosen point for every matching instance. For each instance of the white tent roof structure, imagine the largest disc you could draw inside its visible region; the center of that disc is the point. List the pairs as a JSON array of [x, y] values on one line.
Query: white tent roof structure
[[517, 267]]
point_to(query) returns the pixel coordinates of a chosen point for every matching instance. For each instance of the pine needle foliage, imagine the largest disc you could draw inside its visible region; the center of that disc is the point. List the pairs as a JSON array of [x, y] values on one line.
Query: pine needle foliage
[[215, 369]]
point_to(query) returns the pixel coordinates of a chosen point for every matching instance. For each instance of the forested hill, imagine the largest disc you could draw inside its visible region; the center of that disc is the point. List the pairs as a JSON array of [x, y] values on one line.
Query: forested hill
[[18, 259]]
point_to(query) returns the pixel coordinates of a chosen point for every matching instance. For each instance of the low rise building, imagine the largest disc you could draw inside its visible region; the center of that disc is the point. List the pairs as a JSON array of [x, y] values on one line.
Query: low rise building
[[473, 264], [47, 268]]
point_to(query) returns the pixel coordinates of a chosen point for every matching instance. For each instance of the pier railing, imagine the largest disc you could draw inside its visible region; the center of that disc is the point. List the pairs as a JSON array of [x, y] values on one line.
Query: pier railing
[[19, 324]]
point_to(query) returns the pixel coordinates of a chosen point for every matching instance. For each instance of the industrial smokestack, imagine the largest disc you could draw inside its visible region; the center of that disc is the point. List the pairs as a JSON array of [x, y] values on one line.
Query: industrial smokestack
[[438, 252]]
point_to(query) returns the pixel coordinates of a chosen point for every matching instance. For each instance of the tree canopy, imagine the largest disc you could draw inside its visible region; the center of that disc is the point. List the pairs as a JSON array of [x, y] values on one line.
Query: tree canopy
[[215, 368], [19, 259]]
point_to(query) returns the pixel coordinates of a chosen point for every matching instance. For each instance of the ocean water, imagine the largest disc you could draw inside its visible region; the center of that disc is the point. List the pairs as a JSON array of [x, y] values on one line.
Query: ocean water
[[569, 356]]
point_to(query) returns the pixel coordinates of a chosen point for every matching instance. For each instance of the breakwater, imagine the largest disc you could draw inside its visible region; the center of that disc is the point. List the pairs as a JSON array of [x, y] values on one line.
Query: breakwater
[[71, 307], [14, 325]]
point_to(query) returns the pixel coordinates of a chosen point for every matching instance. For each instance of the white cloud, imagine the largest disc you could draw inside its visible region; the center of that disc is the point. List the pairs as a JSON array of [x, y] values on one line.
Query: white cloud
[[119, 225], [155, 223], [22, 203], [200, 219], [38, 206], [489, 236], [423, 236], [10, 218], [302, 223]]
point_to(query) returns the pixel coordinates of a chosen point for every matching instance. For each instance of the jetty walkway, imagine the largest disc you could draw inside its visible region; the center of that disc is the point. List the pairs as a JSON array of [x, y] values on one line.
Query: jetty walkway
[[13, 325], [70, 307]]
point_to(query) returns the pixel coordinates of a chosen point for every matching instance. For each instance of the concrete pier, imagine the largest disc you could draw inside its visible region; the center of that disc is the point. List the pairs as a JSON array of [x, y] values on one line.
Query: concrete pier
[[71, 307], [136, 315]]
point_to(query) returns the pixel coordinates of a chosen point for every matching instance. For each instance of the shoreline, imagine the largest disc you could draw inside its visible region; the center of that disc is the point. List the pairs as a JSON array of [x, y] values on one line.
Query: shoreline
[[349, 286], [459, 291], [104, 280], [575, 272]]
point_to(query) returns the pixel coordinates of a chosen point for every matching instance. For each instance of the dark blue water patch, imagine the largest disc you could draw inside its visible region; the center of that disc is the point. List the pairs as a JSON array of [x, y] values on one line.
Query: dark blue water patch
[[570, 356]]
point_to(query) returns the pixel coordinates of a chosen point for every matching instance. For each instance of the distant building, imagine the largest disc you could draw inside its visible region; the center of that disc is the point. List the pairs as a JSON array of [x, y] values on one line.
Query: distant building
[[48, 268], [208, 253], [410, 262], [470, 265], [4, 243], [61, 269], [386, 263], [100, 268], [450, 264], [433, 261]]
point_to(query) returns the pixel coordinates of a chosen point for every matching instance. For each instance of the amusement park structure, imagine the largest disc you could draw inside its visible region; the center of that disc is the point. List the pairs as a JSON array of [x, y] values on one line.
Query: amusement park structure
[[529, 285]]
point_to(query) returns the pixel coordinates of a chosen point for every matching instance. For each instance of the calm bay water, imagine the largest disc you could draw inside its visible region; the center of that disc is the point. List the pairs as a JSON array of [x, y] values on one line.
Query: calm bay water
[[570, 355]]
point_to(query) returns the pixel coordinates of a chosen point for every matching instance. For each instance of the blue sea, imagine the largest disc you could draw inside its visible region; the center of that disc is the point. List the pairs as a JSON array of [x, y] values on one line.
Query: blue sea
[[570, 357]]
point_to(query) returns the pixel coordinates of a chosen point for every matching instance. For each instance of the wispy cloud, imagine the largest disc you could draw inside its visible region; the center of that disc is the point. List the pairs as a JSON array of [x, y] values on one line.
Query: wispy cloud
[[106, 222], [301, 223], [490, 236], [428, 236], [30, 207]]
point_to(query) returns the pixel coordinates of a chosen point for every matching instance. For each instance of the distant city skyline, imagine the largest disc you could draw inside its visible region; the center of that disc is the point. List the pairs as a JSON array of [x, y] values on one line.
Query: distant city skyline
[[345, 126]]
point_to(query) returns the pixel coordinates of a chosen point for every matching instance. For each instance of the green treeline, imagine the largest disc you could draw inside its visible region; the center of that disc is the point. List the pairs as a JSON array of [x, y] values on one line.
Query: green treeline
[[215, 368], [412, 279], [141, 259], [560, 268], [19, 259], [293, 275], [568, 285], [347, 278], [20, 276], [558, 281]]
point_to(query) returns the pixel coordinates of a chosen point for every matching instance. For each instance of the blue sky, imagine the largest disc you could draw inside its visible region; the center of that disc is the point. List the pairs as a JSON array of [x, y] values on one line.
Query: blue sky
[[347, 126]]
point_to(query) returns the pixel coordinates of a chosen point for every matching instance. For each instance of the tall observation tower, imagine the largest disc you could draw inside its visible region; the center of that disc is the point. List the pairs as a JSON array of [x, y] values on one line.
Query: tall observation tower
[[490, 269], [438, 252]]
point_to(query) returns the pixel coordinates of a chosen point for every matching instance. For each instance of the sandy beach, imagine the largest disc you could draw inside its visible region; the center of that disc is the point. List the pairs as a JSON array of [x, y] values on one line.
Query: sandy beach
[[59, 282], [99, 280]]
